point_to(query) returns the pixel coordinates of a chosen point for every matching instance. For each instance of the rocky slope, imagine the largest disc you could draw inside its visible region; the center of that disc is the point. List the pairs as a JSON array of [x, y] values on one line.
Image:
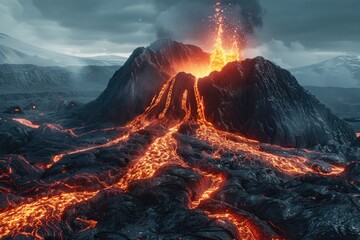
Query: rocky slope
[[264, 102], [253, 97], [135, 84]]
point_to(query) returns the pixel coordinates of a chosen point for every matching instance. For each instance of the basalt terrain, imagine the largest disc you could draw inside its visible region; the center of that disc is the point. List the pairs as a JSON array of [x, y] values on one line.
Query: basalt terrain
[[168, 153]]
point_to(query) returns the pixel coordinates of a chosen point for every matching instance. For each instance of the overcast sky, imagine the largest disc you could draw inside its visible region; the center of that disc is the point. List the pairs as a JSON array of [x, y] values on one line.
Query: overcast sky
[[291, 32]]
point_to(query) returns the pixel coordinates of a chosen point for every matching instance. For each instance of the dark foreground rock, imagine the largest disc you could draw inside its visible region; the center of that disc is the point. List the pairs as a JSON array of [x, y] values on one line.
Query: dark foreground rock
[[306, 206]]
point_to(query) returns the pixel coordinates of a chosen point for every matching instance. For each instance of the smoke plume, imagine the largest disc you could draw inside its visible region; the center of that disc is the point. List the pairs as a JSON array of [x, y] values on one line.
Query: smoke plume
[[193, 20]]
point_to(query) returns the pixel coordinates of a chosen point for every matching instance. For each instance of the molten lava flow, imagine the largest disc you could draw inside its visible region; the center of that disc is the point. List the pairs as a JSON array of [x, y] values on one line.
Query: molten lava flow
[[289, 165], [58, 157], [168, 99], [137, 124], [216, 183], [184, 106], [28, 218], [200, 105], [358, 134], [90, 223], [59, 128], [242, 224], [140, 122], [160, 153], [26, 123]]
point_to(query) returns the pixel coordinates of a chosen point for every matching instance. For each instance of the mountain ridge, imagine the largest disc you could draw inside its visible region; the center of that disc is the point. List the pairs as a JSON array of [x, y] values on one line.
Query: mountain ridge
[[15, 51], [341, 71], [16, 78]]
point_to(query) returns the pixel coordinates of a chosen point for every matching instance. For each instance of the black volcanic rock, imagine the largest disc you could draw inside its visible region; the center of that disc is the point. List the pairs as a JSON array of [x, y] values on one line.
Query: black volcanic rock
[[264, 102], [13, 136], [356, 143], [133, 86]]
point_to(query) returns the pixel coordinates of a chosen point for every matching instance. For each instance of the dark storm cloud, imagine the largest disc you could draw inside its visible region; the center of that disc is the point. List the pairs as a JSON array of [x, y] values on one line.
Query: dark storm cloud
[[125, 20], [106, 26], [97, 15], [189, 19], [140, 20], [317, 23]]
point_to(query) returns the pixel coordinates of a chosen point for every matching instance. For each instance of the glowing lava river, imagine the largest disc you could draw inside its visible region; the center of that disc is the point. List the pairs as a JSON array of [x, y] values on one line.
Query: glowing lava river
[[33, 217]]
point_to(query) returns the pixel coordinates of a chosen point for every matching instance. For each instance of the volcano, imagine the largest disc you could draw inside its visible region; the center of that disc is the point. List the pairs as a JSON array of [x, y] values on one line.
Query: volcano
[[254, 97], [171, 150]]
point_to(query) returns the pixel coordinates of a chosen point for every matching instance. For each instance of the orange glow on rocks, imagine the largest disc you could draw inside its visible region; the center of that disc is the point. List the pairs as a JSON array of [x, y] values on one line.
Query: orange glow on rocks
[[290, 165], [31, 216], [245, 231], [160, 153], [216, 183], [26, 123], [28, 218], [358, 134], [90, 223]]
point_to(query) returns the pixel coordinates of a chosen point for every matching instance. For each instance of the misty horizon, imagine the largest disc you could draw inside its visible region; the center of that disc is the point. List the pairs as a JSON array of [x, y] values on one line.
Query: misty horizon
[[280, 32]]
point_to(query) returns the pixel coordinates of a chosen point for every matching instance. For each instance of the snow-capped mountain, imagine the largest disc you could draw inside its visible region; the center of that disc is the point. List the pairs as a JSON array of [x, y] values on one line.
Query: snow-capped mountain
[[343, 71], [14, 51]]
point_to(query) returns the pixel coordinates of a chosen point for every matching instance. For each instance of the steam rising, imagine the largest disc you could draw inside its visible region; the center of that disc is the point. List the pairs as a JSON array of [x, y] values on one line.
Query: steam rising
[[192, 20]]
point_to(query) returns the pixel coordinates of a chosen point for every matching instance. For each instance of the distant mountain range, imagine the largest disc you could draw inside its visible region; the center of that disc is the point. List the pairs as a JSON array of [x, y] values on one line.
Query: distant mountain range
[[343, 71], [20, 78], [14, 51], [27, 68]]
